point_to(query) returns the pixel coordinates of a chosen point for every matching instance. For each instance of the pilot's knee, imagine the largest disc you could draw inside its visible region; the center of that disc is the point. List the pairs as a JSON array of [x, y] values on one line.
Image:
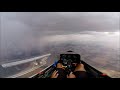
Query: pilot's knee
[[80, 67], [59, 65]]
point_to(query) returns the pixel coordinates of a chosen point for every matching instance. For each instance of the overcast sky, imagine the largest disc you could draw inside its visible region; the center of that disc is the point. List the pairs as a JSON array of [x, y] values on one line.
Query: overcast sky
[[25, 30], [40, 23]]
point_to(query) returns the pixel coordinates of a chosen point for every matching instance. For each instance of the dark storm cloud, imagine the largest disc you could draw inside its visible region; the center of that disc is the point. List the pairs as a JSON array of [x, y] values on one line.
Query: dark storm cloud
[[23, 31], [67, 22], [74, 22]]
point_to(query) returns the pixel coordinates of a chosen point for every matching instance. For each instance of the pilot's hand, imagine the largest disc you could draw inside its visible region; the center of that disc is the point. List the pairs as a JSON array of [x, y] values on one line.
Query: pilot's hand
[[54, 74], [71, 75]]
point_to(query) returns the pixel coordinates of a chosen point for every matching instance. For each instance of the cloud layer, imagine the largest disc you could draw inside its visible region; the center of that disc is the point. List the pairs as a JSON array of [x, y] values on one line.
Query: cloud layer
[[23, 31]]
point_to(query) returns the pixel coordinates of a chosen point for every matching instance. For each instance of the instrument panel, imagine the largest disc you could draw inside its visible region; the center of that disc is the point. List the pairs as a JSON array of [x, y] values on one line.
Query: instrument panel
[[69, 58]]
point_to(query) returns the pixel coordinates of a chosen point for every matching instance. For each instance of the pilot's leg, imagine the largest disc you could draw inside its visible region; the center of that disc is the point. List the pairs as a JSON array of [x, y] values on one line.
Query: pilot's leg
[[80, 71], [80, 67], [61, 71]]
